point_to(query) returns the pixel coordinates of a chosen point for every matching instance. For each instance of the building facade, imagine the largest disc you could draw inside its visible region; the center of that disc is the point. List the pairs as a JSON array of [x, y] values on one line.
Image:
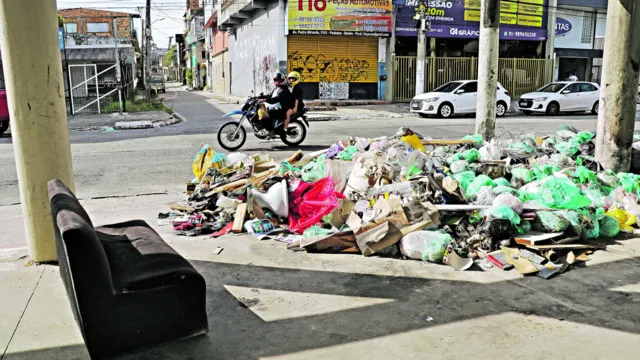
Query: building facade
[[196, 59], [217, 47]]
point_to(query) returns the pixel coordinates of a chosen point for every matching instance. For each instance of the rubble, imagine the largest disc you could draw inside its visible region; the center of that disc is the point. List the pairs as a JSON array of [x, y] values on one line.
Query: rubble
[[536, 204]]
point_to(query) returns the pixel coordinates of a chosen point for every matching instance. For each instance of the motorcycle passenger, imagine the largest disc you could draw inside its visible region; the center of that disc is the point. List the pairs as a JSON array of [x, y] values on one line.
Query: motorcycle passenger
[[296, 93], [280, 99]]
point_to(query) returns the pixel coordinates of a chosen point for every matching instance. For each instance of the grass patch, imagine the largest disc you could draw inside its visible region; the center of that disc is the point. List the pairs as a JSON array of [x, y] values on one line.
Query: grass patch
[[139, 105]]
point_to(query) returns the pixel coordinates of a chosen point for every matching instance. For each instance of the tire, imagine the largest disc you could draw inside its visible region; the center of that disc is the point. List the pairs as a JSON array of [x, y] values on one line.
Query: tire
[[4, 125], [595, 108], [553, 108], [226, 131], [527, 112], [300, 132], [501, 109], [445, 110], [424, 116]]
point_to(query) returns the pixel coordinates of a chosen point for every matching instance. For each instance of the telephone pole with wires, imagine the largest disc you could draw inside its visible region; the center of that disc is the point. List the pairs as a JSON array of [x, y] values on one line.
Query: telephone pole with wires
[[423, 26], [147, 35]]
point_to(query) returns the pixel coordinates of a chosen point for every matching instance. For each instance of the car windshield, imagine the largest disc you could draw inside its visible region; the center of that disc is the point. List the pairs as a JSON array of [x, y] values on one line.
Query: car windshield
[[552, 88], [157, 80], [448, 87]]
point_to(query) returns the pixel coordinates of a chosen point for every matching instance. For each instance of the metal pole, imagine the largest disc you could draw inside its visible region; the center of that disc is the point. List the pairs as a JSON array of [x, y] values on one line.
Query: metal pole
[[618, 95], [422, 51], [147, 34], [488, 68], [118, 70], [39, 128]]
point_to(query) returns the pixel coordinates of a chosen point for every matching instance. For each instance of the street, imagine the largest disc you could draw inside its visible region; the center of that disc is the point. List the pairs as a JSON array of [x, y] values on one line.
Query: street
[[152, 161]]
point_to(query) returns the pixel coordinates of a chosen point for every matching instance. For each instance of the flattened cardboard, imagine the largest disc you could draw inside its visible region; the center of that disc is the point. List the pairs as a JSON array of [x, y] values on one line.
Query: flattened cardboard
[[521, 264], [378, 238], [337, 242]]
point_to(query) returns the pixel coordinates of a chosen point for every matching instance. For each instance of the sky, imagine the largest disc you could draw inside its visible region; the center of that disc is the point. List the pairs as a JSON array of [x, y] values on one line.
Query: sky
[[171, 11]]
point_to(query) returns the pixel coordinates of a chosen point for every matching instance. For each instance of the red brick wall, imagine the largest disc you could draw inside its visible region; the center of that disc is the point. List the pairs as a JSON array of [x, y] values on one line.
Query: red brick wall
[[81, 17]]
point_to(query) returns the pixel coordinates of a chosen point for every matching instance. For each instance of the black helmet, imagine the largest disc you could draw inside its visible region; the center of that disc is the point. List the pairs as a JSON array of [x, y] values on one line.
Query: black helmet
[[279, 79]]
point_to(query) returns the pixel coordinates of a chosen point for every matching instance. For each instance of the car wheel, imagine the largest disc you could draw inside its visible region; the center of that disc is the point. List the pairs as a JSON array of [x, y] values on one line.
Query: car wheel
[[501, 109], [4, 125], [445, 110], [595, 108], [553, 108], [527, 112], [424, 116]]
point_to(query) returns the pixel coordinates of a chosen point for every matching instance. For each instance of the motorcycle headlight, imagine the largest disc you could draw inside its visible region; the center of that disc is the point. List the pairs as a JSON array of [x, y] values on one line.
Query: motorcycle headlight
[[540, 99], [430, 100]]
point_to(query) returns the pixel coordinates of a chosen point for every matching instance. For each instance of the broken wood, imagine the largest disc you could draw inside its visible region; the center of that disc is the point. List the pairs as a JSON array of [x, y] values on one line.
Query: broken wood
[[238, 220], [566, 247], [438, 142], [184, 208], [255, 179]]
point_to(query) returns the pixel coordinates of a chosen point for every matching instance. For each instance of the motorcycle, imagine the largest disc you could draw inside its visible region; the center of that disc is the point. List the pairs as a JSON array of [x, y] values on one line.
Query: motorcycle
[[232, 135]]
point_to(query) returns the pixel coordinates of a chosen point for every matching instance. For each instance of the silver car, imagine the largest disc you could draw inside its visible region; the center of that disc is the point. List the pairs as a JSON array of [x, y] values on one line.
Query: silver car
[[158, 84]]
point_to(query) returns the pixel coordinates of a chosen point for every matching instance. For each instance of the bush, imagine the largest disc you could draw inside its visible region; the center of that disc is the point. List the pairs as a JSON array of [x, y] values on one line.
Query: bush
[[189, 76]]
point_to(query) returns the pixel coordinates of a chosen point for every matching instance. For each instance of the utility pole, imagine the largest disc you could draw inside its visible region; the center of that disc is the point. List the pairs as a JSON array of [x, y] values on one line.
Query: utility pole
[[617, 113], [118, 69], [147, 34], [488, 68], [391, 53], [422, 48], [39, 128]]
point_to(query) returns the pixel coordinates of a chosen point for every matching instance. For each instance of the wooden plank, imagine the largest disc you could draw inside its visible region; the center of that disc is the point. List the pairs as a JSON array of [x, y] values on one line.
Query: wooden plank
[[446, 142], [471, 207], [238, 220], [566, 247], [535, 237], [180, 207]]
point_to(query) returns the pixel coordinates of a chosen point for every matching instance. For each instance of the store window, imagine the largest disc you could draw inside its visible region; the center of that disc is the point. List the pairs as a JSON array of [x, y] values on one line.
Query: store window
[[588, 24], [101, 27], [70, 28]]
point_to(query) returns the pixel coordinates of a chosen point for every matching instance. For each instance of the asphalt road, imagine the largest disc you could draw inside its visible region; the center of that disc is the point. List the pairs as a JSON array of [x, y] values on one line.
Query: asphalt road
[[139, 162]]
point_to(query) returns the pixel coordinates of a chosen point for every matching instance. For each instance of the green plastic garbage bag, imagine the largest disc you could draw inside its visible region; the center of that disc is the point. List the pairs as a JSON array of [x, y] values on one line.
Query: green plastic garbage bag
[[609, 226], [582, 137], [551, 221], [595, 195], [561, 193], [476, 184], [347, 154], [500, 189], [567, 148], [521, 148], [542, 171], [464, 179], [315, 231], [471, 155], [425, 245], [584, 175], [501, 182], [628, 181], [522, 173], [504, 212], [458, 166], [313, 172], [455, 157], [477, 138], [608, 178], [286, 167]]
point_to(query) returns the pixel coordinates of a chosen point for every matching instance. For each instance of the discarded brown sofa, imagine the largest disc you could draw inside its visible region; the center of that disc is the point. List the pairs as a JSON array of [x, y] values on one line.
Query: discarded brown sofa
[[128, 289]]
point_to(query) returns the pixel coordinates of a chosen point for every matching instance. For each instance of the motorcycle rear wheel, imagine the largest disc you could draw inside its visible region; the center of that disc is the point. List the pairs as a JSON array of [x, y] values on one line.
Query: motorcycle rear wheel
[[296, 134], [226, 137]]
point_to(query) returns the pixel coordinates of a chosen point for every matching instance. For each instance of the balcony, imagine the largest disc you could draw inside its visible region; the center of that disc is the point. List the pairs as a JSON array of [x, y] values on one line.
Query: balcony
[[235, 12]]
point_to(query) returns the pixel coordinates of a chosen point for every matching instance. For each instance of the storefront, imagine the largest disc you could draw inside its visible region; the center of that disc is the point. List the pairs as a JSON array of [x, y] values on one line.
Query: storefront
[[335, 47], [455, 27]]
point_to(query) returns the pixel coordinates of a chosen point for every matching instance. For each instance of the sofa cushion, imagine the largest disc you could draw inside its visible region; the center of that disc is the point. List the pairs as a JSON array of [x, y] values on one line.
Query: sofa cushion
[[139, 259]]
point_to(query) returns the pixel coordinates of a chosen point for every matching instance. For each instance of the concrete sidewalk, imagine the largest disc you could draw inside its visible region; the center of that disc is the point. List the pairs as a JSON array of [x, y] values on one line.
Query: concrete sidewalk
[[138, 120], [266, 302]]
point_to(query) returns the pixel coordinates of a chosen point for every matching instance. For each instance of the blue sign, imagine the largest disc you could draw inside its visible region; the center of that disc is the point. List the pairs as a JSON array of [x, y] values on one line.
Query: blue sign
[[61, 38], [563, 26]]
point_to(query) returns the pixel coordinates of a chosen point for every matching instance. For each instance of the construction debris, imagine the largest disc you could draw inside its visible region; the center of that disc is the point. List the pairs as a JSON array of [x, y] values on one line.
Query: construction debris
[[536, 204]]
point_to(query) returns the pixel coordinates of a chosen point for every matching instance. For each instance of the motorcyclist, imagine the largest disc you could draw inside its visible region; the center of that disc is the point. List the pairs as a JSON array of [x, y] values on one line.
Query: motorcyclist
[[280, 99], [296, 93]]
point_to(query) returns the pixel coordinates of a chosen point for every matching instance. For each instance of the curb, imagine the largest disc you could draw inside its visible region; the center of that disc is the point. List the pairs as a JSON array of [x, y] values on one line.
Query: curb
[[353, 117], [175, 119]]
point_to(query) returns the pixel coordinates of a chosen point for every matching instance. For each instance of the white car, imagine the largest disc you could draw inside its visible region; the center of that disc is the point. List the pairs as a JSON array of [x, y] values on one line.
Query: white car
[[459, 97], [563, 96]]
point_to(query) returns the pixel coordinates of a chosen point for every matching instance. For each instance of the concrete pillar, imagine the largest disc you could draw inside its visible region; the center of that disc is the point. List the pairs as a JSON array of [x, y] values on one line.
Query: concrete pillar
[[39, 129], [488, 67], [620, 70], [422, 53], [551, 29]]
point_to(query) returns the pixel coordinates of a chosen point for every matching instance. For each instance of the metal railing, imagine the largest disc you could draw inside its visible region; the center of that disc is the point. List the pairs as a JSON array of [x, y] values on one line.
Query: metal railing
[[519, 76], [93, 88]]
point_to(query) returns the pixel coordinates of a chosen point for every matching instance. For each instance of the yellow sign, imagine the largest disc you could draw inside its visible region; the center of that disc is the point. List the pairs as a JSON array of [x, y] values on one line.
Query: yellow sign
[[538, 2], [471, 15], [472, 4], [340, 17], [507, 6], [530, 9], [508, 19], [517, 12], [526, 20]]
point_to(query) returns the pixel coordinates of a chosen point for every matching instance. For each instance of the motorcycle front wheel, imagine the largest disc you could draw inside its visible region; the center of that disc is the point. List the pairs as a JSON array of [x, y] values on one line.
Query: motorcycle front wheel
[[230, 137], [296, 134]]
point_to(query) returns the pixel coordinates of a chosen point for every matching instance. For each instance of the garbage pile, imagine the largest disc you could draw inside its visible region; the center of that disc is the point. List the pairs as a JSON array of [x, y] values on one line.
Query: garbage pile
[[531, 203]]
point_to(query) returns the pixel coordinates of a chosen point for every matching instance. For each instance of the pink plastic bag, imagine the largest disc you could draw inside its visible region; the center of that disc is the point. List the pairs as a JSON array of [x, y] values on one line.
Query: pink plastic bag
[[308, 203]]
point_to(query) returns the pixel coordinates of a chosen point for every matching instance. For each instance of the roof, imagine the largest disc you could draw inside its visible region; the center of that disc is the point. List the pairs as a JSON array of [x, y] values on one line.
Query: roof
[[95, 54], [111, 13]]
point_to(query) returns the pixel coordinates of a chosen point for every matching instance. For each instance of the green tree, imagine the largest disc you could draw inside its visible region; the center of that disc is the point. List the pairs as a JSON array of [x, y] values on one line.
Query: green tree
[[170, 57], [60, 21], [189, 76]]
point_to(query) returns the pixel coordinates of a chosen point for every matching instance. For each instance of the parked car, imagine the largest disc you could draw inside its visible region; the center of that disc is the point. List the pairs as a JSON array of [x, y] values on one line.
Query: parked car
[[459, 97], [4, 109], [157, 83], [565, 96]]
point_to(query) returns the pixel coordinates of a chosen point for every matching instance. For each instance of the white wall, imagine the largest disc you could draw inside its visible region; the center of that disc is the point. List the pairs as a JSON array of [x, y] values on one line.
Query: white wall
[[255, 51], [572, 39]]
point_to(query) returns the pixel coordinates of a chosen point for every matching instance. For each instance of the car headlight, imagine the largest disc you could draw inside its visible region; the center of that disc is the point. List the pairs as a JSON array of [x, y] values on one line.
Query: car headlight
[[540, 99], [430, 100]]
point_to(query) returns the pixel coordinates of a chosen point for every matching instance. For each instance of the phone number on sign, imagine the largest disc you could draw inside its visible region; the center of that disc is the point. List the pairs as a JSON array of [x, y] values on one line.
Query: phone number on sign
[[522, 33]]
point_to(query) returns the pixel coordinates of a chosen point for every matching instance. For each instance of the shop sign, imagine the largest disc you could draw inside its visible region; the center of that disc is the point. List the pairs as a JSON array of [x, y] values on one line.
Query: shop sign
[[519, 19], [563, 26], [340, 17]]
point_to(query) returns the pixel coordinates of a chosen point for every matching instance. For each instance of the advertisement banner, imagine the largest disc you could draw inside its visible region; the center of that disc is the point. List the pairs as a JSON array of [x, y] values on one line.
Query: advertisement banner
[[519, 19], [340, 17]]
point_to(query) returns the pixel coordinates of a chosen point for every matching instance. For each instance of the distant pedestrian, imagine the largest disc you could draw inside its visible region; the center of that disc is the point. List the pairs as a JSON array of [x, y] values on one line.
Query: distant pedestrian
[[572, 76]]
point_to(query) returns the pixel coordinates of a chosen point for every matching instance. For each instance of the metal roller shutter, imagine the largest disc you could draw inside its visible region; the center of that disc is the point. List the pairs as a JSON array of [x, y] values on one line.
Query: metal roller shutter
[[333, 58]]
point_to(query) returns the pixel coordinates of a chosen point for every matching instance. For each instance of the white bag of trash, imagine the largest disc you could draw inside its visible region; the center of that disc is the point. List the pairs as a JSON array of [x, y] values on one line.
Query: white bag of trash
[[490, 151], [425, 245]]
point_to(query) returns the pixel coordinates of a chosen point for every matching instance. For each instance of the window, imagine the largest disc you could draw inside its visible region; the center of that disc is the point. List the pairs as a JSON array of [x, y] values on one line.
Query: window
[[588, 23], [573, 88], [448, 87], [204, 54], [471, 87], [70, 28], [98, 27], [585, 87]]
